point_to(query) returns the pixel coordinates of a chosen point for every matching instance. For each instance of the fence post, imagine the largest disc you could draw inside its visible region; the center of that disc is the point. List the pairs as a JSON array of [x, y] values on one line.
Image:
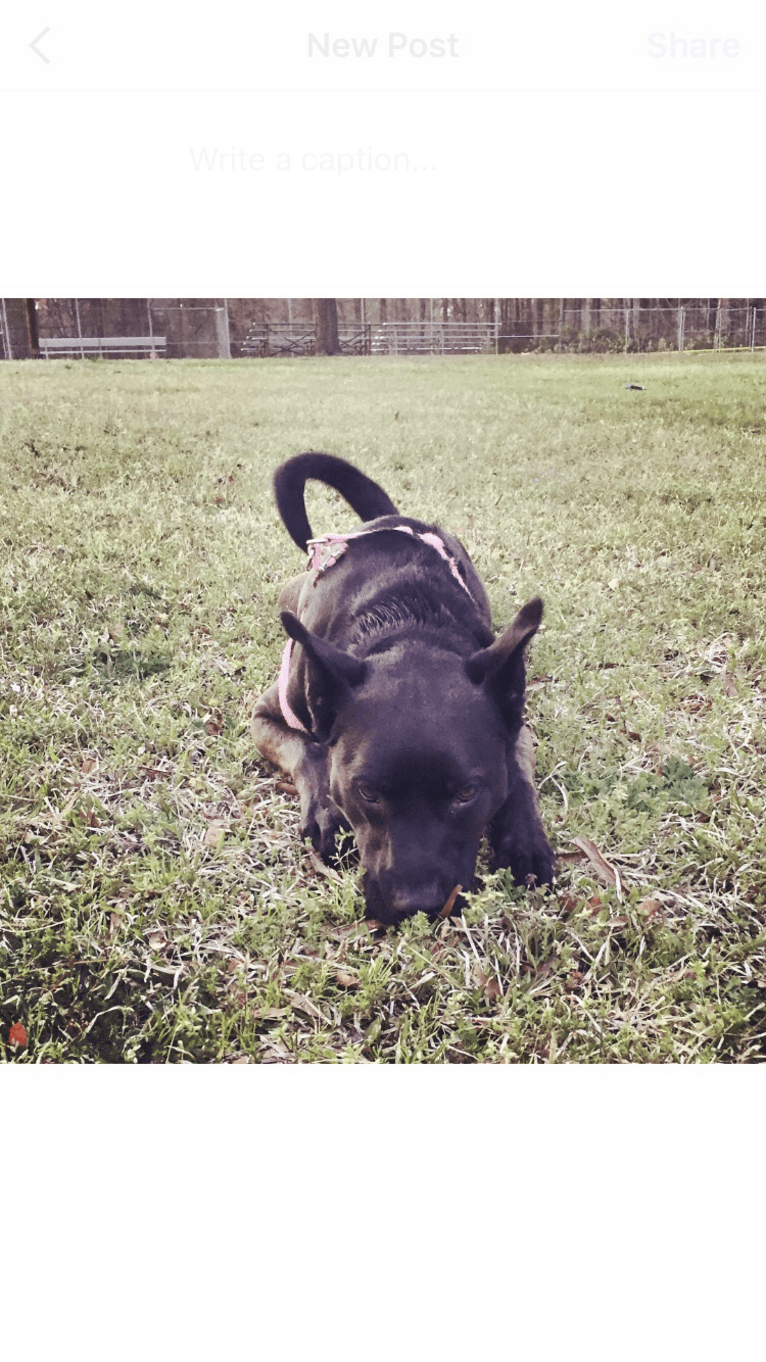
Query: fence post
[[6, 335], [627, 324], [681, 326], [222, 332], [752, 333], [79, 328]]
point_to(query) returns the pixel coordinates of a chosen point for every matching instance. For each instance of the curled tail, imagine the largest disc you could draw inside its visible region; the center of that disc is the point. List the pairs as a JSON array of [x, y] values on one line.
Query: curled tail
[[362, 494]]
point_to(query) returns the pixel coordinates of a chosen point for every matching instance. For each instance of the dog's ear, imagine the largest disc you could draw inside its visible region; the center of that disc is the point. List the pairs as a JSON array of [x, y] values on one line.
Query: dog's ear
[[340, 669], [490, 660], [501, 666]]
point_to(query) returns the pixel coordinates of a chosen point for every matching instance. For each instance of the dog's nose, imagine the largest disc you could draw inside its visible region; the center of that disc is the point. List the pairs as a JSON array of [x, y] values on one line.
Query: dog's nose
[[406, 902]]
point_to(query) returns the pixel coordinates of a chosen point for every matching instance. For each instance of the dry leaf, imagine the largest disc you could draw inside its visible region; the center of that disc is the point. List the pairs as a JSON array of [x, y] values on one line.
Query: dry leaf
[[651, 907], [323, 869], [60, 814], [450, 904], [156, 940], [88, 765], [278, 1049], [304, 1004], [215, 833], [342, 933], [607, 873], [491, 985], [345, 979], [568, 903], [541, 978]]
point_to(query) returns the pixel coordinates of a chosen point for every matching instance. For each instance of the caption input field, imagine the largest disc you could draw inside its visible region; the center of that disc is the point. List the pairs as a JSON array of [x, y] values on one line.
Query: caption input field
[[529, 185], [216, 161]]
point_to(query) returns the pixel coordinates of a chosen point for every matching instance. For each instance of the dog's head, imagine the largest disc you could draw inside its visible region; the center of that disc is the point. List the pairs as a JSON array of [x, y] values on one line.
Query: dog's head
[[418, 743]]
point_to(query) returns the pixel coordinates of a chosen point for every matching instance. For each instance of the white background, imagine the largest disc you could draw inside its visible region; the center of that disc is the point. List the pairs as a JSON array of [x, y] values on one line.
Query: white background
[[433, 1214]]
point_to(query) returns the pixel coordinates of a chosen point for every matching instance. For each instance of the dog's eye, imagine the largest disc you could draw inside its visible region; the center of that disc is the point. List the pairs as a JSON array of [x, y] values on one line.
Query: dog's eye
[[465, 795], [369, 795]]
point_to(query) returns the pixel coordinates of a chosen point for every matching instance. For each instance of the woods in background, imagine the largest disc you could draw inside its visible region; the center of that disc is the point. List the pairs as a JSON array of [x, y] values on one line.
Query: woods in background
[[266, 326]]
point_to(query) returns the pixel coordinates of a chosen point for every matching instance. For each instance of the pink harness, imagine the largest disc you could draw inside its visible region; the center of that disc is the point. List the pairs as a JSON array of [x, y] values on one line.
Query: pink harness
[[339, 544]]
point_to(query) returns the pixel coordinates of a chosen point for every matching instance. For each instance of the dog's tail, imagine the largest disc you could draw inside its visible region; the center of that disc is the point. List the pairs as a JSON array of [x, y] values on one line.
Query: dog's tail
[[362, 494]]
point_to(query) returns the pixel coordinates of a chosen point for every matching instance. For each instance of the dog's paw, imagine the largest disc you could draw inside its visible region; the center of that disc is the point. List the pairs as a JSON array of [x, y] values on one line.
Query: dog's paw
[[321, 823], [517, 836], [321, 819], [529, 865], [525, 851]]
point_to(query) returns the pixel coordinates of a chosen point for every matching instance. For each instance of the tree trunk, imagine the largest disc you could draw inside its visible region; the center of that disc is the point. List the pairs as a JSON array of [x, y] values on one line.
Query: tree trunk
[[591, 315], [34, 335], [327, 327]]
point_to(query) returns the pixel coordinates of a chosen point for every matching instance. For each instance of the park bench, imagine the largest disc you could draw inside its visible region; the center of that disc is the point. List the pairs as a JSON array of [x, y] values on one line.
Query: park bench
[[115, 347]]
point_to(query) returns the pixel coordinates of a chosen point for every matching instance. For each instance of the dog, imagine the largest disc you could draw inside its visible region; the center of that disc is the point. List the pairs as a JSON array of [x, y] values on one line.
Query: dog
[[397, 713]]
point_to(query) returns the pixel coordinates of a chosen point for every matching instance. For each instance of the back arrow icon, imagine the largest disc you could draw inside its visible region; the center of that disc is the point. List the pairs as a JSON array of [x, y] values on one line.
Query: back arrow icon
[[36, 49]]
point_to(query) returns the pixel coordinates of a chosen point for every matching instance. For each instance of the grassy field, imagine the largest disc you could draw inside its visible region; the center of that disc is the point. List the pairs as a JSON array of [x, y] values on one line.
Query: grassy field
[[156, 904]]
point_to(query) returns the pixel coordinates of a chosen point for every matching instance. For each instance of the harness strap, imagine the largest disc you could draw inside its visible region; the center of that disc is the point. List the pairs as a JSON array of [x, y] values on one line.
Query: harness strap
[[288, 714], [339, 544]]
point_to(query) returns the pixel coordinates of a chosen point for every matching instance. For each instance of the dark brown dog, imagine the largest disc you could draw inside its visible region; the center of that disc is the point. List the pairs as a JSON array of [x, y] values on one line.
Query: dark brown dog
[[397, 712]]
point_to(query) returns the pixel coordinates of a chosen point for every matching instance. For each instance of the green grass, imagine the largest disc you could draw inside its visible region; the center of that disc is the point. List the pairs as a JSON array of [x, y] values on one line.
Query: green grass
[[155, 901]]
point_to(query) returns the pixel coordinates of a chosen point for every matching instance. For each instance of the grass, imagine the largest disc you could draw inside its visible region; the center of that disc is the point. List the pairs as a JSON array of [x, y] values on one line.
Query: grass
[[155, 901]]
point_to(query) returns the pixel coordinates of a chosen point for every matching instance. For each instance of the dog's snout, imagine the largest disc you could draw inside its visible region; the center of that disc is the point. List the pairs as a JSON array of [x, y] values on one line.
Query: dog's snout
[[406, 901]]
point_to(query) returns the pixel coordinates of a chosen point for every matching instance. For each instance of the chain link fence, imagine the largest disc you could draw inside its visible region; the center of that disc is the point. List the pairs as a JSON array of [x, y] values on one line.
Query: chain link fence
[[633, 328], [79, 328]]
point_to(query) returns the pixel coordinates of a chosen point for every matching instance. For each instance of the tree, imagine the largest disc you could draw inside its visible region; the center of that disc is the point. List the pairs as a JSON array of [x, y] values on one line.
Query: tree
[[32, 331], [327, 327]]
